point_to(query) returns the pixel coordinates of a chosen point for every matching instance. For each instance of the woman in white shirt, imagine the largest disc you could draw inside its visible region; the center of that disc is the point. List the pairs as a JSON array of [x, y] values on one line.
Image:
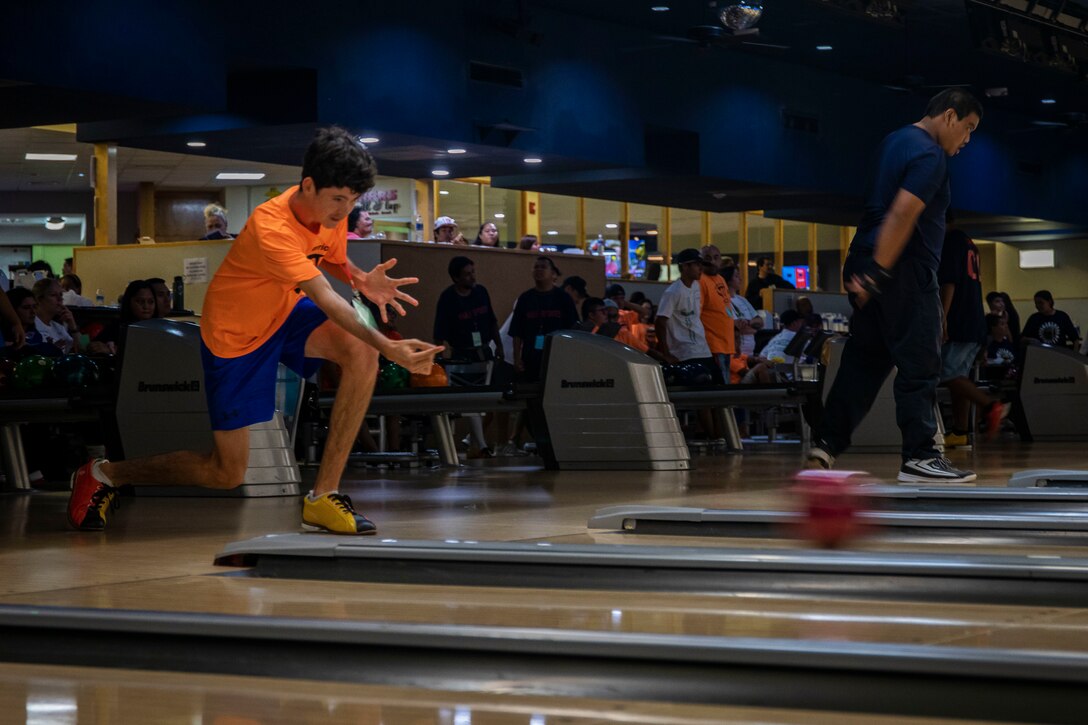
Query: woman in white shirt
[[747, 319], [53, 320]]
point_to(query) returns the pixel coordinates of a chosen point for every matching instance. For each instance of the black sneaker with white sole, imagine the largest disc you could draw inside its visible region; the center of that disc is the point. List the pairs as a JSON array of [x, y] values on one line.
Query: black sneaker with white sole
[[933, 470]]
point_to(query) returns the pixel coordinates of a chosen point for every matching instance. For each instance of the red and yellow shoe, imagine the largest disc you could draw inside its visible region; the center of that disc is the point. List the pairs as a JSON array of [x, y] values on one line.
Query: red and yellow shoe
[[333, 513], [90, 500]]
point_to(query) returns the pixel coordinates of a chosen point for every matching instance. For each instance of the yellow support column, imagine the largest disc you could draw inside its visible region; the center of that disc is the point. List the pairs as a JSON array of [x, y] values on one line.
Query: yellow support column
[[666, 229], [742, 238], [705, 236], [146, 201], [529, 222], [424, 207], [105, 194], [624, 236], [813, 261], [844, 246], [580, 223], [779, 244]]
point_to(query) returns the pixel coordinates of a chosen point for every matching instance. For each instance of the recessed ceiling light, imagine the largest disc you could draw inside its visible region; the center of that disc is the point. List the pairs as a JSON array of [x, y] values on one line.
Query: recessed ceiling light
[[611, 226], [82, 174], [51, 157], [240, 175], [552, 233], [440, 172], [443, 192], [1048, 101], [455, 151], [500, 215], [823, 47], [55, 223], [369, 139], [195, 144], [660, 8], [651, 232], [533, 160]]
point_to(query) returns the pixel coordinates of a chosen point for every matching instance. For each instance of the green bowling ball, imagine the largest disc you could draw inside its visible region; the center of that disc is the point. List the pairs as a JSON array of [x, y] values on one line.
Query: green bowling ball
[[33, 371], [75, 371], [392, 377]]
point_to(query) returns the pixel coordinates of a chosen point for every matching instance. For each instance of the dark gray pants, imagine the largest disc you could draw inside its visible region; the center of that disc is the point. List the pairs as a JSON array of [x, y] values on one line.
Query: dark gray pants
[[902, 328]]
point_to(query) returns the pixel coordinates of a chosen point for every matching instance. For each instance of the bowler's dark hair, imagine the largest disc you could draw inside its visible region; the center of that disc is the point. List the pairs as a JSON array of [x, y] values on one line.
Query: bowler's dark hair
[[1044, 294], [337, 159], [789, 317], [456, 266], [959, 100], [589, 304]]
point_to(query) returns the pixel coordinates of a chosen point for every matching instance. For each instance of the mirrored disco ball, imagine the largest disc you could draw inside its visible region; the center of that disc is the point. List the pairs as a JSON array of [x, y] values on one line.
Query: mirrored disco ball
[[741, 16]]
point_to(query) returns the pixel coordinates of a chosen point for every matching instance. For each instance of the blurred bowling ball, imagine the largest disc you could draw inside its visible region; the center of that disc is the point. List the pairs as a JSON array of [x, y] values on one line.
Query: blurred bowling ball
[[75, 371], [7, 370], [830, 502], [392, 377], [436, 378], [33, 371]]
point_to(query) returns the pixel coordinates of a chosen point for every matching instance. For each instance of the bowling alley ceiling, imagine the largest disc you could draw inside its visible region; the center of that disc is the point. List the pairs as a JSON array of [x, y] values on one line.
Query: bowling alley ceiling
[[617, 99]]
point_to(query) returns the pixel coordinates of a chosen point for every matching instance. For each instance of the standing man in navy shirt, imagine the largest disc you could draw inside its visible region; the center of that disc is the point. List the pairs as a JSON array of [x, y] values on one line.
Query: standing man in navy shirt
[[892, 272]]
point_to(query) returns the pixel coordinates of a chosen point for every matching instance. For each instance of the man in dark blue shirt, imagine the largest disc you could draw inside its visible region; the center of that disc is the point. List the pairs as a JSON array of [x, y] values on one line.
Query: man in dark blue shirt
[[464, 320], [892, 279]]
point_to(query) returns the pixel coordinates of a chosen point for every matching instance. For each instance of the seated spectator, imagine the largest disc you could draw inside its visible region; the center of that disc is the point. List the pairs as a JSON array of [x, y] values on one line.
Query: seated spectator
[[26, 308], [775, 349], [40, 269], [593, 314], [804, 307], [488, 236], [529, 242], [459, 240], [576, 287], [445, 229], [215, 223], [73, 291], [745, 318], [629, 312], [1001, 304], [999, 345], [137, 304], [1050, 326], [360, 225], [67, 267], [52, 319], [163, 296], [538, 311]]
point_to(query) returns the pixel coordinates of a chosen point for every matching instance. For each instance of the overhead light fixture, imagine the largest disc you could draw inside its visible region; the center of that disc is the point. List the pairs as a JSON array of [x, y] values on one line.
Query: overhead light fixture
[[240, 175], [660, 8], [55, 223], [50, 157], [1036, 259], [440, 172], [500, 215], [611, 225], [195, 144], [552, 233], [1048, 101], [81, 174], [651, 232], [824, 47], [455, 151], [369, 139], [741, 16], [443, 192], [533, 160]]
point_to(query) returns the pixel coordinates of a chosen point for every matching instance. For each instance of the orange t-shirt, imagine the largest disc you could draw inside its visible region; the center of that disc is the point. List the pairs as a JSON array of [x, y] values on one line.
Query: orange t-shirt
[[716, 304], [634, 336], [629, 318], [256, 287]]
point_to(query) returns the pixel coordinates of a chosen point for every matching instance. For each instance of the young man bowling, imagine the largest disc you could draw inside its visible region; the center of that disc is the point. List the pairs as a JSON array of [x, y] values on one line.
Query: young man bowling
[[270, 303]]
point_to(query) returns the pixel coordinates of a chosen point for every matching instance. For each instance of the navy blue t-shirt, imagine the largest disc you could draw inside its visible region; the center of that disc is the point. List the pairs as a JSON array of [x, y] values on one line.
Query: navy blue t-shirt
[[908, 159], [960, 268]]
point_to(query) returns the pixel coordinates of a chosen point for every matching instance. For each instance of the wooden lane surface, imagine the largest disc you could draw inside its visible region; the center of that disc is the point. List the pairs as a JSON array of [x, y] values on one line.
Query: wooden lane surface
[[780, 617], [50, 694]]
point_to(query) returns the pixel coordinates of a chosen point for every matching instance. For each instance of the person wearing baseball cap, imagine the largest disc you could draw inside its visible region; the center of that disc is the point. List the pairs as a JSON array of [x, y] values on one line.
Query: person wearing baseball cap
[[444, 230]]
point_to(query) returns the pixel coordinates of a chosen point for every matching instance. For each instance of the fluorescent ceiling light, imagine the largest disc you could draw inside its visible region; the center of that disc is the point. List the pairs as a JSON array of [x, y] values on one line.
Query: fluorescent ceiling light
[[195, 144], [55, 223], [443, 192], [240, 175], [51, 157], [455, 151], [660, 8], [651, 232], [552, 232], [1036, 259], [440, 172], [823, 47], [369, 139], [1048, 101], [500, 215], [532, 160], [611, 226]]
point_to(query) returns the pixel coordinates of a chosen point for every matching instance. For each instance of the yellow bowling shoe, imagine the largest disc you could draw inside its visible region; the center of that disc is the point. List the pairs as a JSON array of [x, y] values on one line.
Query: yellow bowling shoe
[[333, 513]]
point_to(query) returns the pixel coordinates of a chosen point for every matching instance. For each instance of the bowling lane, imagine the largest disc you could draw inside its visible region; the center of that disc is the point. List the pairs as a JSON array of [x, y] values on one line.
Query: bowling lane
[[49, 694], [778, 617]]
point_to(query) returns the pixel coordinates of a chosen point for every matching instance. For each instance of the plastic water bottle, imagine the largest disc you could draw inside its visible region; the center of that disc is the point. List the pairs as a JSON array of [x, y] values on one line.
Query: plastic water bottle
[[179, 293], [419, 228], [99, 298]]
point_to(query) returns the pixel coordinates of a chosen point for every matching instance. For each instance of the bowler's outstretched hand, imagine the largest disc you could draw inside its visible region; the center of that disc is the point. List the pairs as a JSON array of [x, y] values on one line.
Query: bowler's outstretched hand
[[383, 290]]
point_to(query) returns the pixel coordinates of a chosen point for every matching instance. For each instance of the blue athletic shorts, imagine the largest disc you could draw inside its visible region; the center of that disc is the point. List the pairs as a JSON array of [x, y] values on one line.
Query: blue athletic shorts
[[241, 391], [957, 359]]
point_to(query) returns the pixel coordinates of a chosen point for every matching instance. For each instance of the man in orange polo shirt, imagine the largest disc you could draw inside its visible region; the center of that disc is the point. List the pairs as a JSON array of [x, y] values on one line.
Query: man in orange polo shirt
[[715, 311], [270, 303]]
